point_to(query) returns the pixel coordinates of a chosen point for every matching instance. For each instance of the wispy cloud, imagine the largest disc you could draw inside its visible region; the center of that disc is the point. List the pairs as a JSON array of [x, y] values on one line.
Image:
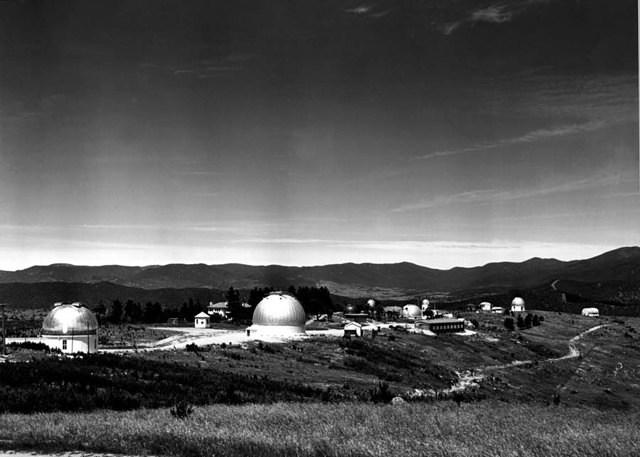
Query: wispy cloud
[[494, 14], [494, 195], [529, 137]]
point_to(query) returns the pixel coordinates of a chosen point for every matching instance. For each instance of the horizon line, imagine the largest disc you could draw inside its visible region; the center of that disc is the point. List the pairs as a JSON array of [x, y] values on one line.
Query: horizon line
[[314, 265]]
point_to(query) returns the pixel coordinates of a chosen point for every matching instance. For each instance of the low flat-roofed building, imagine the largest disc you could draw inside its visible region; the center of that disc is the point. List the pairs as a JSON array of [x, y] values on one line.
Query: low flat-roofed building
[[442, 325]]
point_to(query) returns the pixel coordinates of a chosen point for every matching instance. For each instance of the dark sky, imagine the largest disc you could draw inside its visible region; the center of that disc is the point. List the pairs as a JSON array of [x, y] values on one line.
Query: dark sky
[[309, 132]]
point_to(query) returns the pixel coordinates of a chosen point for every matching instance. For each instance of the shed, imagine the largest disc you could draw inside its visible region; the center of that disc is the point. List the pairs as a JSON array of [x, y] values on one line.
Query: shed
[[201, 320], [352, 329]]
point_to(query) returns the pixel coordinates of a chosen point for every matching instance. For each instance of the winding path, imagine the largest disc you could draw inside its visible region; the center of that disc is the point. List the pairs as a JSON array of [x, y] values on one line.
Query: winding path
[[471, 378]]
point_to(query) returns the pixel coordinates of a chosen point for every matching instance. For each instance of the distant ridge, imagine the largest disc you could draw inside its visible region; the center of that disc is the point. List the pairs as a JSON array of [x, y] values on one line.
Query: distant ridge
[[622, 265]]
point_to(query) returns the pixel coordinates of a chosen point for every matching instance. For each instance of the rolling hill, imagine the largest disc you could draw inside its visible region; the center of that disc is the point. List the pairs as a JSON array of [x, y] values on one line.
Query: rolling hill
[[388, 281]]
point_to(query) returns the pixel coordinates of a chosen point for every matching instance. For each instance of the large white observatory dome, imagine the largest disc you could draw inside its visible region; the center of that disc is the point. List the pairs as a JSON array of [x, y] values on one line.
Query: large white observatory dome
[[70, 319], [278, 314], [71, 328]]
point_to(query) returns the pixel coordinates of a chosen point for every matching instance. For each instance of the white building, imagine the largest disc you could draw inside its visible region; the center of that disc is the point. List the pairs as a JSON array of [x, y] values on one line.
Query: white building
[[591, 312], [278, 314], [71, 327], [201, 320], [425, 305], [485, 306], [220, 309], [411, 311], [352, 329], [497, 310], [517, 305]]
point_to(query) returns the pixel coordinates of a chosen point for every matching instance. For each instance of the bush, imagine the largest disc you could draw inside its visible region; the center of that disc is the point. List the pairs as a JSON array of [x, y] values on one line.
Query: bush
[[33, 346], [181, 410], [193, 347], [381, 394], [508, 323]]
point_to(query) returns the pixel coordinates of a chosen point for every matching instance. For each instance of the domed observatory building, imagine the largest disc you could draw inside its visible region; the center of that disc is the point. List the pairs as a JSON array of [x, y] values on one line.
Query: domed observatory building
[[71, 327], [411, 312], [517, 305], [278, 314]]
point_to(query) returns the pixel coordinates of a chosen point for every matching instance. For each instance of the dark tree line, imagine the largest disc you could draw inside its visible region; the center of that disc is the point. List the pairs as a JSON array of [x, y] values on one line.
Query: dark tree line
[[132, 312], [314, 300]]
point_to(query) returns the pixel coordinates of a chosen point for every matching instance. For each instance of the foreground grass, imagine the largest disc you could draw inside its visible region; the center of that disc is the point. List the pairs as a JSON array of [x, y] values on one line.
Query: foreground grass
[[356, 429]]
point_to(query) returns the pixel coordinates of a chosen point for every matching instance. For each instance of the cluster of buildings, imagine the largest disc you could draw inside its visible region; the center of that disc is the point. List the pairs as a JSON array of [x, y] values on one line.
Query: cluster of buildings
[[517, 306], [72, 327]]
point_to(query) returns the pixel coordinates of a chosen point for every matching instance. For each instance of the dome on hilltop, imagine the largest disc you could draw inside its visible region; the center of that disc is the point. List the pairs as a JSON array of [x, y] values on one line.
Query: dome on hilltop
[[411, 311], [70, 319], [278, 313]]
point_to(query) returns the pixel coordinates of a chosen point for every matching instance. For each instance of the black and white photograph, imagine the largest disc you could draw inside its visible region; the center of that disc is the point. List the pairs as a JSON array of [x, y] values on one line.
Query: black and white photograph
[[360, 228]]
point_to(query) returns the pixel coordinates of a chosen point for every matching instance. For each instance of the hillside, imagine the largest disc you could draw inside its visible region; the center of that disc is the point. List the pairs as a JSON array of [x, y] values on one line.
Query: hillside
[[612, 274], [39, 295]]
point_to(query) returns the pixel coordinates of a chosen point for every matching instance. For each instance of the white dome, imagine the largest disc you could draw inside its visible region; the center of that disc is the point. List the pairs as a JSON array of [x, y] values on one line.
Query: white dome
[[518, 301], [279, 313], [411, 311], [371, 302], [70, 319]]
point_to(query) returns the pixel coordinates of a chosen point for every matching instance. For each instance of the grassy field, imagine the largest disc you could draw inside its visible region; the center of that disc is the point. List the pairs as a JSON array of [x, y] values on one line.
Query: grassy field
[[294, 429]]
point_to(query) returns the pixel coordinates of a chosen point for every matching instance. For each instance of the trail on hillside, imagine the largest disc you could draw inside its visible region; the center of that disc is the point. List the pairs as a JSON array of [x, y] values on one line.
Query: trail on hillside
[[472, 378]]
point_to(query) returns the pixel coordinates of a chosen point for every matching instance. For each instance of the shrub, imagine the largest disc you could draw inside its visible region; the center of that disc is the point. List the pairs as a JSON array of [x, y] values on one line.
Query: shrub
[[31, 345], [193, 347], [181, 410], [508, 323], [381, 394]]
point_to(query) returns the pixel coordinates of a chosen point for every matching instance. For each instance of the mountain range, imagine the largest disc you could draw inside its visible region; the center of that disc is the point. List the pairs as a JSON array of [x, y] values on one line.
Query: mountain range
[[614, 275]]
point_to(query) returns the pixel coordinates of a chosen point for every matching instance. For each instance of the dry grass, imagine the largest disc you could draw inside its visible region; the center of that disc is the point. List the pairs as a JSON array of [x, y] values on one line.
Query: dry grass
[[294, 429]]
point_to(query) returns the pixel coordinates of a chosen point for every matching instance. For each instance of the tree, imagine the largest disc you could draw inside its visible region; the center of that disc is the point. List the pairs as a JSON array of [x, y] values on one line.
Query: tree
[[152, 312], [508, 323], [234, 304], [528, 321], [132, 311], [115, 316], [520, 321], [536, 320]]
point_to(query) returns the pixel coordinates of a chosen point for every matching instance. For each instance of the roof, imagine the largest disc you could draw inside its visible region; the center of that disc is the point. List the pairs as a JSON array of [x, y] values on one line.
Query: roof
[[443, 320], [392, 309], [219, 305], [279, 309], [354, 324], [518, 301], [69, 319], [201, 315]]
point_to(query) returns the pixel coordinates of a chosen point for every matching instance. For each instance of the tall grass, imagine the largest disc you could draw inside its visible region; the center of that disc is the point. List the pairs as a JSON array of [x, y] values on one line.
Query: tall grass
[[312, 429]]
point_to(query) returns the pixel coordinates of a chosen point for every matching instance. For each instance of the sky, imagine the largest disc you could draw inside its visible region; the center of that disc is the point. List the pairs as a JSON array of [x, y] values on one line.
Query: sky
[[307, 133]]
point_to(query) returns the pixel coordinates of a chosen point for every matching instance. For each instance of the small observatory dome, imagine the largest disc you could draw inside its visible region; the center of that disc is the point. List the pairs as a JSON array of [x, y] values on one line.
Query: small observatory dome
[[411, 311], [371, 303], [425, 305], [70, 327], [278, 314], [517, 304], [350, 309]]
